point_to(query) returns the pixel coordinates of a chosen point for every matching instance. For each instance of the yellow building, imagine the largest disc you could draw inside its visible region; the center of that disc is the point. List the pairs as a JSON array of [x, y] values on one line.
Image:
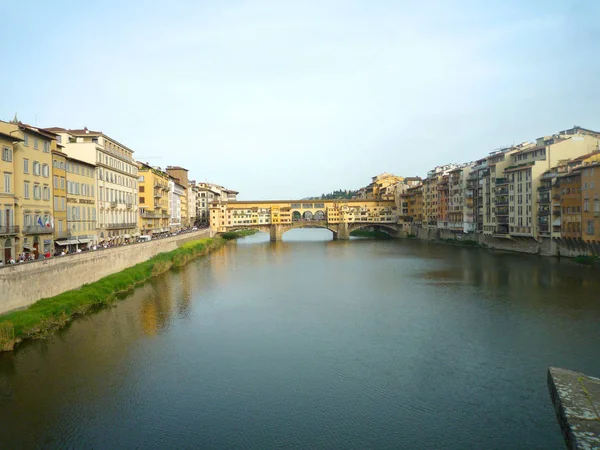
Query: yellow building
[[33, 187], [380, 186], [81, 204], [8, 229], [153, 201], [59, 189]]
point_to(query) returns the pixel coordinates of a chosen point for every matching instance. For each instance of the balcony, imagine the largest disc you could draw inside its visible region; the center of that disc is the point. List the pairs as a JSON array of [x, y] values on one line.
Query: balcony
[[501, 181], [501, 201], [503, 220], [129, 205], [37, 229], [502, 212], [148, 215], [119, 226], [113, 204], [544, 212], [501, 191], [4, 230]]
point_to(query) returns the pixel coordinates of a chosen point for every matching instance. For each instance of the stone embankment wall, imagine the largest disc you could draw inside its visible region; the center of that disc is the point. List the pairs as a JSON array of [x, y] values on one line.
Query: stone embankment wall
[[544, 246], [24, 284]]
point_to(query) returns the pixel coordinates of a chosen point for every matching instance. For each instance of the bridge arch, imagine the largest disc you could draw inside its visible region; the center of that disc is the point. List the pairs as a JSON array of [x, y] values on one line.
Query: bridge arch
[[307, 215], [390, 229], [319, 215], [296, 215]]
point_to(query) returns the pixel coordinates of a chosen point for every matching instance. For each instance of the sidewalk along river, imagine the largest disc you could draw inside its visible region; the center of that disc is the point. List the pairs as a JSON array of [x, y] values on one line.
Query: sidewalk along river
[[49, 314]]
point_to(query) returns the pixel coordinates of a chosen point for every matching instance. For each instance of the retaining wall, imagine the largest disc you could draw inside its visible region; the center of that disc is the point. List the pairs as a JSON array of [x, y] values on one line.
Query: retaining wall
[[25, 283]]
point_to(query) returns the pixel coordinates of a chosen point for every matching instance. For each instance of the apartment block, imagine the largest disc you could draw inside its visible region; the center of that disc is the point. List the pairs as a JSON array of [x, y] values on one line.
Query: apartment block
[[590, 214], [116, 180], [59, 193], [529, 164], [32, 185], [9, 230], [82, 213], [154, 207]]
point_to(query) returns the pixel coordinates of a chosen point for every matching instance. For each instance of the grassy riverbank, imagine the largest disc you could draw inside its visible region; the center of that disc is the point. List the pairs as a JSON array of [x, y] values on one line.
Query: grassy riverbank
[[49, 314], [370, 234], [229, 235]]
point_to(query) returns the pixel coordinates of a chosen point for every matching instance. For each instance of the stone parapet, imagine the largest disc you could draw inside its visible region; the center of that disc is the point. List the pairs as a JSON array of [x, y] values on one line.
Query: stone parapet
[[576, 399]]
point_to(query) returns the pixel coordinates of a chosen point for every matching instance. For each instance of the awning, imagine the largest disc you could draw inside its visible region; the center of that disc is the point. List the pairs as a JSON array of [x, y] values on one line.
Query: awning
[[67, 242], [84, 240], [127, 236]]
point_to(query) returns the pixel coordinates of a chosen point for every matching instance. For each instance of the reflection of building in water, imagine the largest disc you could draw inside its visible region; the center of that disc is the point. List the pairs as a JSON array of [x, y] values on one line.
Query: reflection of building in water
[[157, 307], [184, 297]]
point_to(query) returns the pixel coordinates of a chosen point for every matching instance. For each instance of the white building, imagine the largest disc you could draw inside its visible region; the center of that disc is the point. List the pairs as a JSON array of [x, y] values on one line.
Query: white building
[[116, 180], [176, 192]]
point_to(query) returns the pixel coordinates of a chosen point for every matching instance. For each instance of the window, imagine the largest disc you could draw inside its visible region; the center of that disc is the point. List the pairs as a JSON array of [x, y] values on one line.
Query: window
[[26, 189], [141, 189], [35, 143], [590, 227], [25, 166], [46, 192], [592, 185], [7, 154], [25, 140], [55, 182], [45, 170], [142, 200], [46, 147], [7, 182], [37, 192], [36, 168], [62, 182]]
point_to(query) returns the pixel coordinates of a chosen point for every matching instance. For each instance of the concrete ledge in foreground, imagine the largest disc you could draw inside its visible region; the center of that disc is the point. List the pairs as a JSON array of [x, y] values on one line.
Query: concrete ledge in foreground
[[576, 399]]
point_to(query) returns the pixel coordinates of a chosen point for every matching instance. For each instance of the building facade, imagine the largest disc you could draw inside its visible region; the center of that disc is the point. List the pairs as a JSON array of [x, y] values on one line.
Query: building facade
[[590, 214], [82, 213], [59, 189], [9, 229], [154, 207], [116, 180], [32, 183]]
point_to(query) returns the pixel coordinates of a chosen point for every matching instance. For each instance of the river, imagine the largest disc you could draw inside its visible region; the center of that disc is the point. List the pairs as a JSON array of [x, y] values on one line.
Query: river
[[313, 343]]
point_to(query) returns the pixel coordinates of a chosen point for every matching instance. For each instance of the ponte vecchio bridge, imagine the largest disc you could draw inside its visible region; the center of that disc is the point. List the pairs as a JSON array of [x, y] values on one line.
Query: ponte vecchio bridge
[[278, 216]]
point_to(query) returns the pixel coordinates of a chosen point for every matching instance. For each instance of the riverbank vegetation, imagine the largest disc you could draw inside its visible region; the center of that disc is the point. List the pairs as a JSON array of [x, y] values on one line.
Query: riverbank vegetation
[[462, 243], [587, 260], [229, 235], [49, 314], [375, 234]]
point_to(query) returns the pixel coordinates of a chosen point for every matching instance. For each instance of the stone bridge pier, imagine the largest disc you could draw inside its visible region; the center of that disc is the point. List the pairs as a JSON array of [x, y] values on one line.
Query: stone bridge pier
[[340, 231]]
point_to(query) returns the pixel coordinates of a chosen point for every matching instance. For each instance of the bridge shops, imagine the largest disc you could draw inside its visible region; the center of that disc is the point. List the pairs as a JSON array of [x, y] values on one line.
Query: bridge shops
[[277, 217]]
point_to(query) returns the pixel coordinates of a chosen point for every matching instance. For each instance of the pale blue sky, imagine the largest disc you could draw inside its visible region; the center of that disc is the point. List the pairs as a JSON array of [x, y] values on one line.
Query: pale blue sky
[[282, 99]]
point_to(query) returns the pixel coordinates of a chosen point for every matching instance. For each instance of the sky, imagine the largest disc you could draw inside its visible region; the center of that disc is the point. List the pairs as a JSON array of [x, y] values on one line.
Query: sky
[[284, 100]]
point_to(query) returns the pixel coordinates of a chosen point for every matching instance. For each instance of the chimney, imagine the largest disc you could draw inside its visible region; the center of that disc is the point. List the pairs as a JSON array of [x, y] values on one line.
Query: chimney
[[86, 129]]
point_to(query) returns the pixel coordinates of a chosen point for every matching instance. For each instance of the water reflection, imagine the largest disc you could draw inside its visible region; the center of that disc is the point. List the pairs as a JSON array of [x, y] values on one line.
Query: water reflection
[[313, 343]]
